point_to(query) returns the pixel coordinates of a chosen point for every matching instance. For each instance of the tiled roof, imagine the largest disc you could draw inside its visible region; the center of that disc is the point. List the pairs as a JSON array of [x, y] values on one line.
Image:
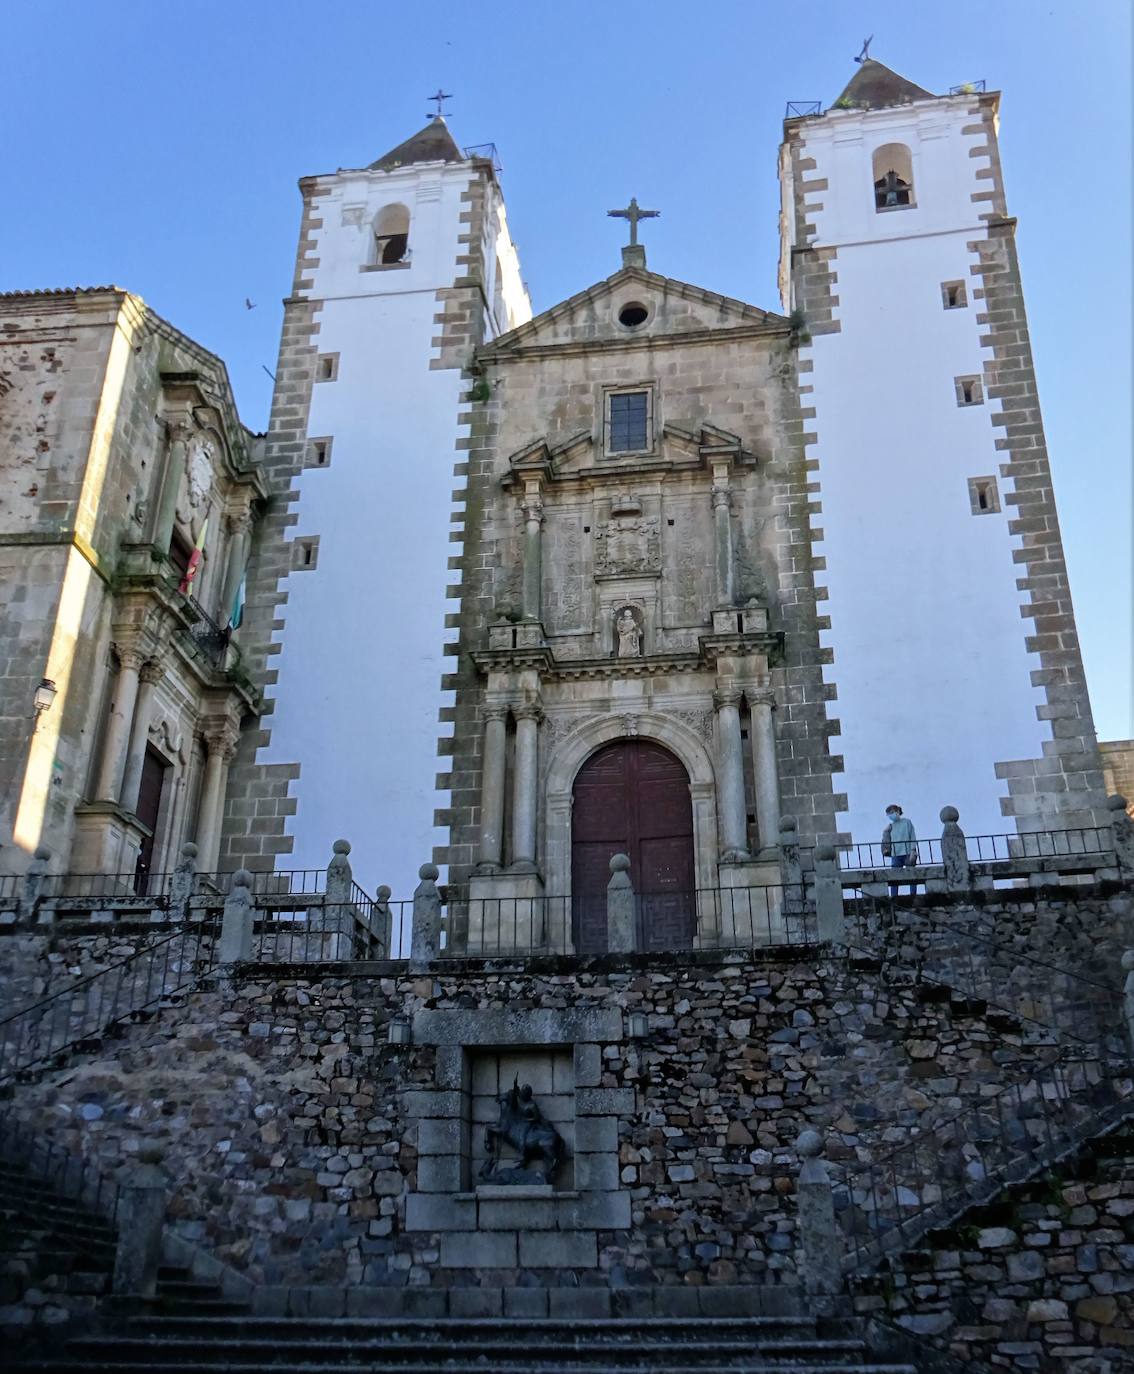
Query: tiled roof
[[875, 86], [434, 143]]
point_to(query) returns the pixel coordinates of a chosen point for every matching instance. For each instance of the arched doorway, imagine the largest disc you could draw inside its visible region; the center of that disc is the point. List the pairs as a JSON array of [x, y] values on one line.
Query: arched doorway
[[632, 797]]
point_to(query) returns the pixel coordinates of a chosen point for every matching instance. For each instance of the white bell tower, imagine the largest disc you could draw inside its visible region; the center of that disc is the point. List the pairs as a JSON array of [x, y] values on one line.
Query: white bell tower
[[404, 266], [951, 632]]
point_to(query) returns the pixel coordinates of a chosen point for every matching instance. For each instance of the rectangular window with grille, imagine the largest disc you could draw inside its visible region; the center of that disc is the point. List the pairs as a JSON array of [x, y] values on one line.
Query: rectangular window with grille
[[628, 421]]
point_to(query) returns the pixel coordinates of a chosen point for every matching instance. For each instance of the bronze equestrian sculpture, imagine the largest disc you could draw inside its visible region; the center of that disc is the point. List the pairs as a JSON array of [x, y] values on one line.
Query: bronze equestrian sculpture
[[536, 1141]]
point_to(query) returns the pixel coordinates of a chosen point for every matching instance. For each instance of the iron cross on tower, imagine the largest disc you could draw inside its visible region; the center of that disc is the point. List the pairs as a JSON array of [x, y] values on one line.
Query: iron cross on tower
[[440, 99], [633, 214]]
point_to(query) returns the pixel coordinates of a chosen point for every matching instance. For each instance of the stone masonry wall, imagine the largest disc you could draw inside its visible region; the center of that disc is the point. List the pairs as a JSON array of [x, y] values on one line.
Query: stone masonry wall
[[297, 1134], [1042, 1281]]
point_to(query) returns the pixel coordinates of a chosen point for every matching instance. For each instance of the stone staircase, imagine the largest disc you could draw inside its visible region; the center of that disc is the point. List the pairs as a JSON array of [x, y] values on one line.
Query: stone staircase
[[177, 1344], [56, 1257]]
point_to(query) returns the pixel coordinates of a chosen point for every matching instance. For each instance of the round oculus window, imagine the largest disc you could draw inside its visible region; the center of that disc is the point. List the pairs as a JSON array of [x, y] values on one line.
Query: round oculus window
[[633, 314]]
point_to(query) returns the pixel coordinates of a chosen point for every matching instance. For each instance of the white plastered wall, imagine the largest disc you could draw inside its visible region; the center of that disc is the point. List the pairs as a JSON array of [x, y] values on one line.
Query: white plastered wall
[[933, 678], [361, 664]]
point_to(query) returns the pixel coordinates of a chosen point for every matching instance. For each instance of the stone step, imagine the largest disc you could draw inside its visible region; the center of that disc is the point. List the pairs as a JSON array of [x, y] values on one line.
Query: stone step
[[469, 1330], [152, 1360], [578, 1353]]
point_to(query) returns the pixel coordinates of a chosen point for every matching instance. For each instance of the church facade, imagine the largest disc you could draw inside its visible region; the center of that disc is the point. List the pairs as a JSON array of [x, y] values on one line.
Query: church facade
[[712, 566]]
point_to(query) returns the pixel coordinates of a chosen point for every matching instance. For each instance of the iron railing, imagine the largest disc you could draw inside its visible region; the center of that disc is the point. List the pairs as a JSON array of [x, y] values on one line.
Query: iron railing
[[1086, 842], [78, 1179], [975, 968], [969, 87], [700, 919], [488, 152], [211, 638], [287, 882], [138, 887], [90, 1008], [800, 109], [966, 1159]]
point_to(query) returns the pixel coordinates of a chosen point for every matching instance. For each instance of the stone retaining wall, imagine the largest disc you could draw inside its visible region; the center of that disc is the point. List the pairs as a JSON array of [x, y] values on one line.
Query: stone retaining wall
[[303, 1145]]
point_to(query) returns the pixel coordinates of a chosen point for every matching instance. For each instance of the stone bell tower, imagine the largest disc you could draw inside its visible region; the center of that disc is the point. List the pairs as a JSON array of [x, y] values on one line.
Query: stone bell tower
[[404, 266], [951, 642]]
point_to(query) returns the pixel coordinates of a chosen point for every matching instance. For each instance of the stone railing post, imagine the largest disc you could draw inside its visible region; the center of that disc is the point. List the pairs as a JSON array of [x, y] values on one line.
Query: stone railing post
[[32, 888], [1122, 829], [184, 884], [791, 870], [1128, 997], [819, 1238], [425, 941], [954, 852], [141, 1215], [620, 932], [235, 945], [337, 894], [829, 895]]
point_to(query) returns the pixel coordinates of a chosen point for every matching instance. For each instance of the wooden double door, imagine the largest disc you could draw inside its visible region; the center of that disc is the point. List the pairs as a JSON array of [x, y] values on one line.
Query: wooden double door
[[632, 797]]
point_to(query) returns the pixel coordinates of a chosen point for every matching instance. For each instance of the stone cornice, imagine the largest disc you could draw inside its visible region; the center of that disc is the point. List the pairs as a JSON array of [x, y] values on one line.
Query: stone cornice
[[679, 339]]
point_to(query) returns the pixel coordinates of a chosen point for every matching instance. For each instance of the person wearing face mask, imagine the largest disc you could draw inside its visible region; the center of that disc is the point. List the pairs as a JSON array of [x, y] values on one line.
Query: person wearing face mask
[[899, 843]]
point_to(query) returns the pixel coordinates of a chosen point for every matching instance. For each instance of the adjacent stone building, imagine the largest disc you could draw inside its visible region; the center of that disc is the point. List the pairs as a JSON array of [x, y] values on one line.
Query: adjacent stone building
[[129, 499]]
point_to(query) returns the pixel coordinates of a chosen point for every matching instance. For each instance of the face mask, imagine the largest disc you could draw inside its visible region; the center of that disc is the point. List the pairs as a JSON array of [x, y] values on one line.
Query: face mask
[[892, 815]]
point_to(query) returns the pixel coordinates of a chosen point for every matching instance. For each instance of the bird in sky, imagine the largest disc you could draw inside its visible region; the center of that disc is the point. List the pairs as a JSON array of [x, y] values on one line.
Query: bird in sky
[[248, 304]]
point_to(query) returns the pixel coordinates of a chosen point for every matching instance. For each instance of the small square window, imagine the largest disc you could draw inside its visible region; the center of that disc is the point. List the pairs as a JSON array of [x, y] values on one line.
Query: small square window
[[327, 367], [305, 553], [628, 421], [984, 495], [970, 392], [953, 295], [318, 453]]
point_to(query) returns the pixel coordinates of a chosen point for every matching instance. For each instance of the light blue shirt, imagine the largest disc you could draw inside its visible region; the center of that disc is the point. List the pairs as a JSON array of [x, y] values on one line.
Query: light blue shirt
[[901, 835]]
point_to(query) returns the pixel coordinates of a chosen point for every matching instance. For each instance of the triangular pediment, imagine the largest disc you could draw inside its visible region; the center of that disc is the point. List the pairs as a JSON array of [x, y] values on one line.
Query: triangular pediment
[[673, 308]]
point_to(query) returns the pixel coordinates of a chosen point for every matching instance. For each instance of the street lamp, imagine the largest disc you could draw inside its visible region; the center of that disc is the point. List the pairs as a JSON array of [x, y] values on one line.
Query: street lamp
[[45, 695]]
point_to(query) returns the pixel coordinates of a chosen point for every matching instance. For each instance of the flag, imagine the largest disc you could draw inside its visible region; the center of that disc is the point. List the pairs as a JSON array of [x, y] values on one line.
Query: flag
[[194, 560], [236, 615]]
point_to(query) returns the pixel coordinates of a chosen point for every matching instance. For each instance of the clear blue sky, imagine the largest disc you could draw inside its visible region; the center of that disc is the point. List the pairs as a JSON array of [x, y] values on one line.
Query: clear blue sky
[[157, 146]]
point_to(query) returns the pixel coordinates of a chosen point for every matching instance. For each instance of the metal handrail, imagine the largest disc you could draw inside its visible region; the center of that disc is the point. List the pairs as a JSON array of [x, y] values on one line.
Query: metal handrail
[[1082, 842], [78, 1179], [38, 1033], [977, 992]]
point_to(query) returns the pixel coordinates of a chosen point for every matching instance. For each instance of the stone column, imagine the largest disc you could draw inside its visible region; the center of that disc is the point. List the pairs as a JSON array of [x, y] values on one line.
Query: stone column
[[235, 944], [492, 790], [954, 852], [222, 747], [524, 790], [1122, 831], [620, 923], [118, 726], [141, 1216], [722, 541], [829, 915], [151, 674], [764, 769], [241, 526], [819, 1237], [171, 485], [1128, 996], [533, 558], [33, 885], [184, 884], [425, 936], [730, 775]]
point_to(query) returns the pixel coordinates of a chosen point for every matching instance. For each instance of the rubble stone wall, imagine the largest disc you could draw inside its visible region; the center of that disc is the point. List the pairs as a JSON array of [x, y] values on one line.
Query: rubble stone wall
[[295, 1132]]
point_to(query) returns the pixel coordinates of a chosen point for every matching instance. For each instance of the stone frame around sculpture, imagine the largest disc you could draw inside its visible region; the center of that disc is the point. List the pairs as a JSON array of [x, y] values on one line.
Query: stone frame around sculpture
[[485, 1227]]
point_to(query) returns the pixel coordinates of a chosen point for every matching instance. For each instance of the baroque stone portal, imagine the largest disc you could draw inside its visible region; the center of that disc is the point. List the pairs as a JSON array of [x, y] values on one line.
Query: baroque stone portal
[[535, 1140]]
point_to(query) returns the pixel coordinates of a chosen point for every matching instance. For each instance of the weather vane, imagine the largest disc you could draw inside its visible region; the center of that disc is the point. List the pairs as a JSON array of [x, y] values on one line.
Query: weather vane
[[865, 53], [633, 214], [440, 99]]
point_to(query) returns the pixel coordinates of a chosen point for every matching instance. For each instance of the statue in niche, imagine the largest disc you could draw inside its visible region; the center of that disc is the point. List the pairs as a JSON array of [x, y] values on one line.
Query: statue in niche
[[629, 635], [536, 1141]]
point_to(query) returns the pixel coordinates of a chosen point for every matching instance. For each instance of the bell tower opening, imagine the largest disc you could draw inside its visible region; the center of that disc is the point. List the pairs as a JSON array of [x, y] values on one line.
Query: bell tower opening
[[632, 797]]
